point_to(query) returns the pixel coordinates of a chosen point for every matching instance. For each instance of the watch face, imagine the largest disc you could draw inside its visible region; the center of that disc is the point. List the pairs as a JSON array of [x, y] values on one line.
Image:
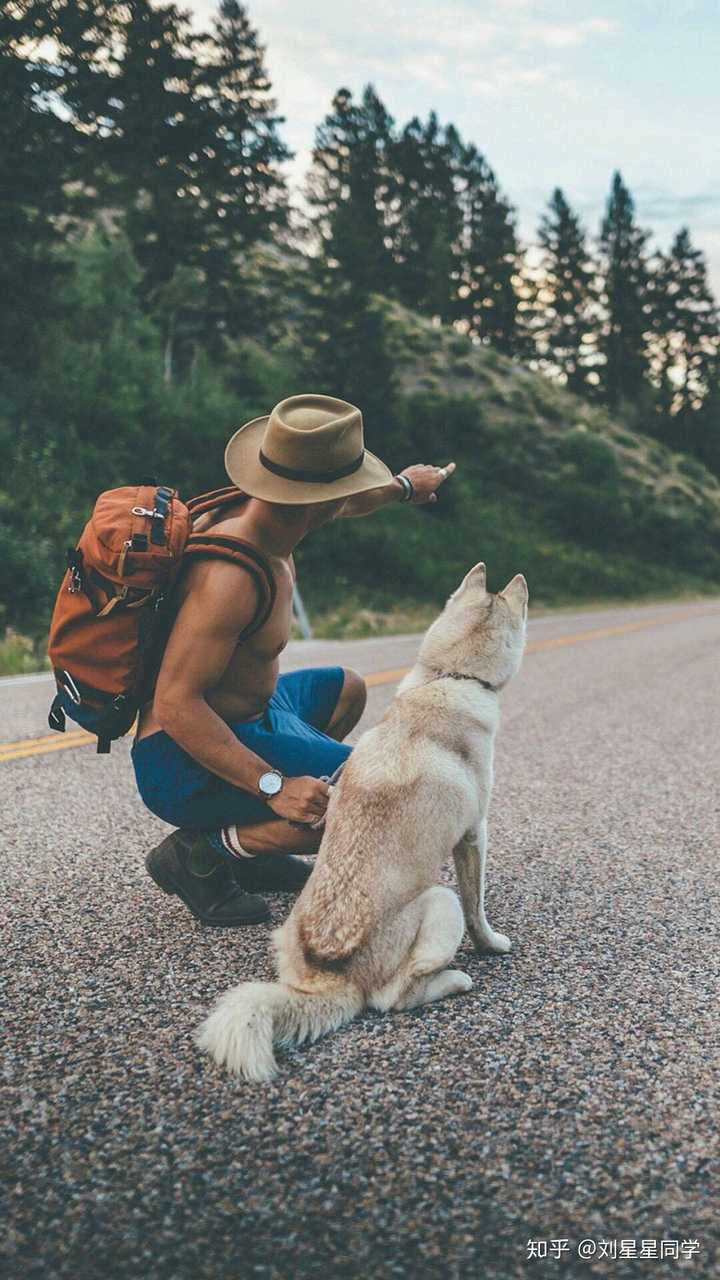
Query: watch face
[[270, 783]]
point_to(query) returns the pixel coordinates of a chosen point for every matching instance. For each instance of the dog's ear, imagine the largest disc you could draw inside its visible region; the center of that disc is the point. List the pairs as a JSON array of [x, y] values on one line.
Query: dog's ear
[[476, 577], [516, 593]]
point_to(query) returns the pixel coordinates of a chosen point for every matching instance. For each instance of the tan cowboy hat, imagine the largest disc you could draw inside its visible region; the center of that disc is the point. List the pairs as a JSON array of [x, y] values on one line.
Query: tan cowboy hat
[[309, 449]]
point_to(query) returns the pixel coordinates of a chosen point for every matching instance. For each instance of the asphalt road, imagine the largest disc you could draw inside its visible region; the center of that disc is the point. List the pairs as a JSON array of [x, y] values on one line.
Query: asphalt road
[[571, 1096]]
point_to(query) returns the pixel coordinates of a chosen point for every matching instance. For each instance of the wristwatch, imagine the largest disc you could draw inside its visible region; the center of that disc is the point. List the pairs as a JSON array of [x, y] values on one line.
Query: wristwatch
[[270, 783]]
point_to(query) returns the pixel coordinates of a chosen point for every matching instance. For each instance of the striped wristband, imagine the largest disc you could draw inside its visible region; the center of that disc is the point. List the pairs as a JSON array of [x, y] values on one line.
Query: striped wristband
[[408, 487]]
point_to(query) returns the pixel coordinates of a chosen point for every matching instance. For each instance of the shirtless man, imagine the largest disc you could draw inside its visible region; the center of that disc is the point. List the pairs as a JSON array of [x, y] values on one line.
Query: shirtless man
[[229, 751]]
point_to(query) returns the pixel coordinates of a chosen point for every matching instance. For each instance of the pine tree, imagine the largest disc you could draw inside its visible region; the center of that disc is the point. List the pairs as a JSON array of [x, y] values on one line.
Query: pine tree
[[426, 237], [343, 330], [84, 33], [346, 344], [563, 327], [152, 139], [685, 331], [705, 421], [34, 142], [488, 300], [243, 191], [625, 297], [349, 189]]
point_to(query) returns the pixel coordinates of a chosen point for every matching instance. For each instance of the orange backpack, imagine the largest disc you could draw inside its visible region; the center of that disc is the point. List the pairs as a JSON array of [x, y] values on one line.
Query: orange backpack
[[114, 609]]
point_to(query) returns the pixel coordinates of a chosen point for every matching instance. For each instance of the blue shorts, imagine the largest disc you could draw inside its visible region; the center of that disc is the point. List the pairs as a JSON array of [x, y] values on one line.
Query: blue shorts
[[289, 736]]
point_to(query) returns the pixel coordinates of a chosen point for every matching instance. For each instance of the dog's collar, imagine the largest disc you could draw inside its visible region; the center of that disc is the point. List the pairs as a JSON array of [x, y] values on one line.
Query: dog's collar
[[461, 675]]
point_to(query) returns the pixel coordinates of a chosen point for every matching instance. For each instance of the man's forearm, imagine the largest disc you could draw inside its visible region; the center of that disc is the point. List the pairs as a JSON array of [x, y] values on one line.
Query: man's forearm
[[208, 739], [363, 504], [418, 484]]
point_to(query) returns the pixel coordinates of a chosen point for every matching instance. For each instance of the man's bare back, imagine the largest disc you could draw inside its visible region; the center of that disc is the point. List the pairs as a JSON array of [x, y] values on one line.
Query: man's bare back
[[248, 681]]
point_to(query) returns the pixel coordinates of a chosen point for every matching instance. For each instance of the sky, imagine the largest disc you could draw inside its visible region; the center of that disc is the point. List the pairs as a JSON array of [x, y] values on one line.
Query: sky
[[553, 92]]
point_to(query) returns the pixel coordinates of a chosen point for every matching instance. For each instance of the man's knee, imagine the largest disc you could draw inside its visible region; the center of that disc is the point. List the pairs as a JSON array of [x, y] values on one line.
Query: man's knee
[[352, 700]]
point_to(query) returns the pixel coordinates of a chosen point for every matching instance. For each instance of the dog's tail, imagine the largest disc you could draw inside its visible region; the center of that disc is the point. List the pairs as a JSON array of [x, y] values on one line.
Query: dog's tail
[[246, 1023]]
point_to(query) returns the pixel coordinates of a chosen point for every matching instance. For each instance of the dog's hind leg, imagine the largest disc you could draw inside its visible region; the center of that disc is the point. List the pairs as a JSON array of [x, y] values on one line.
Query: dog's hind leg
[[470, 856], [422, 976]]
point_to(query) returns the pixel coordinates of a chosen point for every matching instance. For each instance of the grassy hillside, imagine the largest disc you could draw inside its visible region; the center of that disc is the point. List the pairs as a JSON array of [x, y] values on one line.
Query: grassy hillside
[[546, 484], [518, 402]]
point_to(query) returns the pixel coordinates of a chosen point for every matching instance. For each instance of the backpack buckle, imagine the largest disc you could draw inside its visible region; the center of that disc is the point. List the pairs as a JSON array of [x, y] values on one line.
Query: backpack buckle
[[74, 558], [71, 688], [145, 511]]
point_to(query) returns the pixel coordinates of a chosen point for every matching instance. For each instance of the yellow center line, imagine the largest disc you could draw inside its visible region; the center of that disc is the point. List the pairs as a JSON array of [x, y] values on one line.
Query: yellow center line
[[79, 738], [32, 749], [623, 628], [386, 677], [75, 735]]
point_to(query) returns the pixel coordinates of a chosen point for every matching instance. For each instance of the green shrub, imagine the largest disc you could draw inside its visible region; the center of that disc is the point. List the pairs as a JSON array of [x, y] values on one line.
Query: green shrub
[[459, 345], [19, 655], [497, 394], [594, 460], [690, 467]]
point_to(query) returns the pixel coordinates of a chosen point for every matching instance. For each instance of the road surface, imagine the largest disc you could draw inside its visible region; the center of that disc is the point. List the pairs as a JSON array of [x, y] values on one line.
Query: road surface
[[571, 1096]]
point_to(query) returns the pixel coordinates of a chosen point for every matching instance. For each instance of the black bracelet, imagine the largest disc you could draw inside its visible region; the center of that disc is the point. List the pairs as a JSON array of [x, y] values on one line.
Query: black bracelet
[[408, 486]]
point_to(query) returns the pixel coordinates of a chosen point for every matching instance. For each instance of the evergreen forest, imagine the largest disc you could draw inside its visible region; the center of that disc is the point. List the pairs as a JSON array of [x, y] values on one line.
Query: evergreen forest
[[161, 283]]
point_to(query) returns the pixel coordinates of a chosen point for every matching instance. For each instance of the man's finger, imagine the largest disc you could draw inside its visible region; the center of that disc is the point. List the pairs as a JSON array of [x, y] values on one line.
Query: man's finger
[[447, 470]]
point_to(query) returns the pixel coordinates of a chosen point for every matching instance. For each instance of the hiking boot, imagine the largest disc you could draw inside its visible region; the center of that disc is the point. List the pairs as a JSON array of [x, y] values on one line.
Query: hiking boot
[[185, 863], [272, 873]]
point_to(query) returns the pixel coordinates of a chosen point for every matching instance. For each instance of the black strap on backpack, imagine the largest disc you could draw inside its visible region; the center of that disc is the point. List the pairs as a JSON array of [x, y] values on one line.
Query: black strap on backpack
[[236, 551], [206, 546]]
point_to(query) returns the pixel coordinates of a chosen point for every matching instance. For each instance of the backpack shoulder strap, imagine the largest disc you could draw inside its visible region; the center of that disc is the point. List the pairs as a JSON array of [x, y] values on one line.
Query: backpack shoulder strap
[[215, 498], [236, 551]]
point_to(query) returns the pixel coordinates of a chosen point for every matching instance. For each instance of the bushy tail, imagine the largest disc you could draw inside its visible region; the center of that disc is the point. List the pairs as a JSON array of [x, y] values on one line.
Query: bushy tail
[[249, 1020]]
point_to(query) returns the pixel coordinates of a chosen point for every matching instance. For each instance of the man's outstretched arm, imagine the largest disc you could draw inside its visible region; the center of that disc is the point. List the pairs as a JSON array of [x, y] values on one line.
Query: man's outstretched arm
[[425, 481]]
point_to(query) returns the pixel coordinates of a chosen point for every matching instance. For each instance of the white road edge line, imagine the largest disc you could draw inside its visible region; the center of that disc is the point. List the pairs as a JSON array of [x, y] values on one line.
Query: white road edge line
[[35, 677]]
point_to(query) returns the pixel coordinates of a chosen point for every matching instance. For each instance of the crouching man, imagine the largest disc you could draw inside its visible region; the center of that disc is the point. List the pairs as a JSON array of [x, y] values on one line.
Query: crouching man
[[229, 751]]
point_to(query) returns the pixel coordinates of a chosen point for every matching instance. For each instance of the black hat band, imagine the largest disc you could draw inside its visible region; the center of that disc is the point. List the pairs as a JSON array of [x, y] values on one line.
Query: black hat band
[[312, 477]]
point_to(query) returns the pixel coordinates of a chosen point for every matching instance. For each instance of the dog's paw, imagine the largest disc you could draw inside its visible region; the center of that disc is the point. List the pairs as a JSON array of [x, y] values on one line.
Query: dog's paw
[[458, 982], [493, 943]]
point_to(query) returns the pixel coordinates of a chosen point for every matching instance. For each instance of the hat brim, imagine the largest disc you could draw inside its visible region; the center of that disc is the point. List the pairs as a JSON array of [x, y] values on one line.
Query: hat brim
[[243, 465]]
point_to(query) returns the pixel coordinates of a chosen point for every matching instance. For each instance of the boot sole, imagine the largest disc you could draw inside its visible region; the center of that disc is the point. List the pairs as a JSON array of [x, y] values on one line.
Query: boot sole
[[168, 885]]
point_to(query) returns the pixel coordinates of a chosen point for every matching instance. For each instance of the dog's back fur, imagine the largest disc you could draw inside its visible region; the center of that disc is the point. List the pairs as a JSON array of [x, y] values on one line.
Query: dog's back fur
[[372, 926]]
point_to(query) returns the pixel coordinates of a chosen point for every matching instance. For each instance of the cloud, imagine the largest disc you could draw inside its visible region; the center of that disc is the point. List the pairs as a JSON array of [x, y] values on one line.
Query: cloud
[[560, 37], [386, 31], [530, 81], [569, 35], [602, 26], [701, 208]]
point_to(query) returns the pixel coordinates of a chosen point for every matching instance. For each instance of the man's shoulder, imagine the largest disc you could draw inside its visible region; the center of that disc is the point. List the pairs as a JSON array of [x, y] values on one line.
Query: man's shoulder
[[220, 590], [230, 523], [216, 573]]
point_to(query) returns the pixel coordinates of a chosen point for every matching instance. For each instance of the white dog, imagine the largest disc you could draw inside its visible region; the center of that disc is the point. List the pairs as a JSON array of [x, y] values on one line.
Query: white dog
[[372, 927]]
